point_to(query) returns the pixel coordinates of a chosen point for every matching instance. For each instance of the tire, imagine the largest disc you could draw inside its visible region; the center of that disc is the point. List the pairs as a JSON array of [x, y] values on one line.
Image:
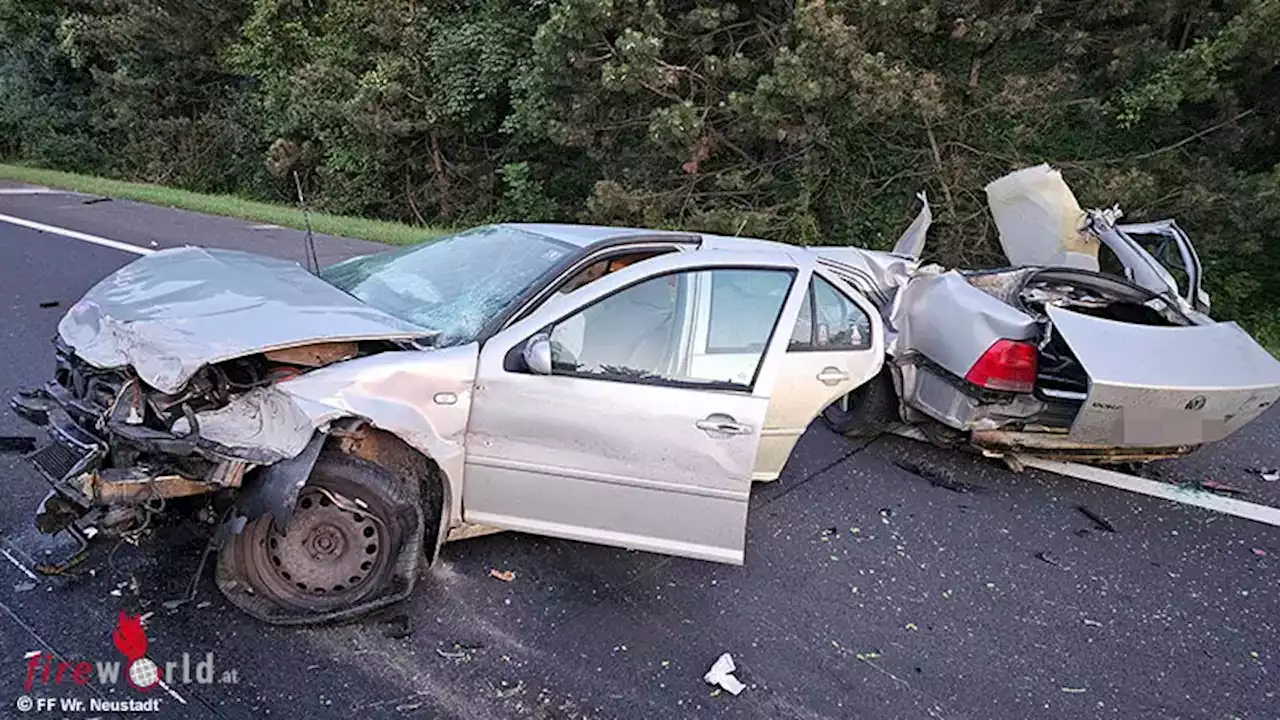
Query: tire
[[867, 411], [340, 547]]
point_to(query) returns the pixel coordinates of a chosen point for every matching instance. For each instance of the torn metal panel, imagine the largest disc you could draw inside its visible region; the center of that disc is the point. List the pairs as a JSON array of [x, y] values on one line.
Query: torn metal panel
[[1060, 446], [927, 390], [264, 425], [876, 275], [424, 398], [1195, 295], [1039, 220], [274, 489], [953, 323], [1142, 269], [1166, 385], [172, 312], [911, 242]]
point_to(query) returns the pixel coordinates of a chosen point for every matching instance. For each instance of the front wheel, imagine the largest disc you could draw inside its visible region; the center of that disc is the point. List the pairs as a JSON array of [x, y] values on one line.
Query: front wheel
[[337, 552], [867, 411]]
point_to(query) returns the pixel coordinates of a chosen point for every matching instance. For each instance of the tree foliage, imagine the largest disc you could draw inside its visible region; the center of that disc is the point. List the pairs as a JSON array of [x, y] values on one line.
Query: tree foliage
[[802, 120]]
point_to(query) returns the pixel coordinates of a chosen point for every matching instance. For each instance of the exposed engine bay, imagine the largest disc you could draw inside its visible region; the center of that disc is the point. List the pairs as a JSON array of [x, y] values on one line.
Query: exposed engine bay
[[140, 447]]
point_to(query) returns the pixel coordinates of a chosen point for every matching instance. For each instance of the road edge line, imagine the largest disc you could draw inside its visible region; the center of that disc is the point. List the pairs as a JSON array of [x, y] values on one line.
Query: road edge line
[[75, 235], [1197, 498], [1265, 514]]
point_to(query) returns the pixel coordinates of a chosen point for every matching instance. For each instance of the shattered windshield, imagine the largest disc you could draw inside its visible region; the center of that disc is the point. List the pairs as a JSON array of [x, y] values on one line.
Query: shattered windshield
[[456, 284]]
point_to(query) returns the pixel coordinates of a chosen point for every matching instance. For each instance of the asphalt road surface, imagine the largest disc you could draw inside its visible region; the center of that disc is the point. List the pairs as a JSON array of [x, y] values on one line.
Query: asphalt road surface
[[870, 591]]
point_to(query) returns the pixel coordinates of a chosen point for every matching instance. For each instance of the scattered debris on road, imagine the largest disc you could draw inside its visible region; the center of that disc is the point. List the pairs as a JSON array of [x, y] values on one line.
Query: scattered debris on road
[[1092, 623], [95, 201], [24, 587], [936, 477], [50, 304], [1073, 690], [503, 575], [17, 443], [1098, 521], [721, 674], [1267, 474], [1259, 552], [1221, 489], [1051, 559]]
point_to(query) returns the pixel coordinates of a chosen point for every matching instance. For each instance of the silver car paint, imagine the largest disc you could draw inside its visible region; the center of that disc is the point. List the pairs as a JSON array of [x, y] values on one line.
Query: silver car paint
[[1196, 297], [620, 463], [953, 323], [421, 396], [803, 386], [172, 312], [911, 242], [1171, 385]]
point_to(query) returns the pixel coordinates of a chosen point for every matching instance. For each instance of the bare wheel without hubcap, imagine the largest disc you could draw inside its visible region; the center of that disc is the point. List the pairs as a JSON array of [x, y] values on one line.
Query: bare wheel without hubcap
[[337, 549]]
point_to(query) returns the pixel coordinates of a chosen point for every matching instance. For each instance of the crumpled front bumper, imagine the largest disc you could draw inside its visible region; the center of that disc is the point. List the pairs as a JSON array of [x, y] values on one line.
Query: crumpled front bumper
[[73, 459]]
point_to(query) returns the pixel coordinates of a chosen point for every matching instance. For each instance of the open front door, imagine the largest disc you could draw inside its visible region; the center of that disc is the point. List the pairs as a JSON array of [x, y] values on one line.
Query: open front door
[[632, 439]]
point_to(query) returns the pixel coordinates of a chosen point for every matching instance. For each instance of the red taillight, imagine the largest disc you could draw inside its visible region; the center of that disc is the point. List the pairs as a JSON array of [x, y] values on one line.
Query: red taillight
[[1006, 365]]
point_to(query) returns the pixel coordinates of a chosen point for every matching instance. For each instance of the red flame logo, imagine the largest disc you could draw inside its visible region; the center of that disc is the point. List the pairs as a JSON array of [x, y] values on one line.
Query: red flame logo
[[129, 636]]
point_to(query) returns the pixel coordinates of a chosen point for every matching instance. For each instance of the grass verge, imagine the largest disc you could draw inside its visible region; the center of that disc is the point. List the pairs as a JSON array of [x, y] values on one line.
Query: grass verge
[[227, 205]]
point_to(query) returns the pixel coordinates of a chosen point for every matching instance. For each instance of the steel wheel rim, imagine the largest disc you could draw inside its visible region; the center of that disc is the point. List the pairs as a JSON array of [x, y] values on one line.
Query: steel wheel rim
[[332, 555]]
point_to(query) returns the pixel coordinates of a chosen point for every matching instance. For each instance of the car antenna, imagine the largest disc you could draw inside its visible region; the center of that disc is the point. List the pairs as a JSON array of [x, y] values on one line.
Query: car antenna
[[309, 249]]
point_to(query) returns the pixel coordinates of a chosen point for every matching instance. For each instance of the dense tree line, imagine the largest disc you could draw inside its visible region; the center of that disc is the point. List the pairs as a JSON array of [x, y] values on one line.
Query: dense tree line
[[803, 120]]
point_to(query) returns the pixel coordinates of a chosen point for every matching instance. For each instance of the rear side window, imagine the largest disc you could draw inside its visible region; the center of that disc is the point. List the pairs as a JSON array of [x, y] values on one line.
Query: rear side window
[[829, 320]]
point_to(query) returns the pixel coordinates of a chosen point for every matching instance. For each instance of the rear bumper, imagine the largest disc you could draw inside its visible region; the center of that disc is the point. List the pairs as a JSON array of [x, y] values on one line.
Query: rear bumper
[[1059, 446]]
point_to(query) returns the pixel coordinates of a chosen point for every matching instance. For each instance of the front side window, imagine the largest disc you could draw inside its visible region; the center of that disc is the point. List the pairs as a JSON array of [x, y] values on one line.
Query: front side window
[[829, 320], [456, 284], [644, 332]]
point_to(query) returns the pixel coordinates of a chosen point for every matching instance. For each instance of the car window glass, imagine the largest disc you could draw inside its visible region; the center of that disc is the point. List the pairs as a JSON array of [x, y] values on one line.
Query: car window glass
[[834, 322], [744, 306], [642, 333], [456, 284]]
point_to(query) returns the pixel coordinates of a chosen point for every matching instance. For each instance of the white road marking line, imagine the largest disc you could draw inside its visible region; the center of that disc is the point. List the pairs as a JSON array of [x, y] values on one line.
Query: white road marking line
[[1197, 498], [19, 565], [76, 235], [35, 191], [1122, 481]]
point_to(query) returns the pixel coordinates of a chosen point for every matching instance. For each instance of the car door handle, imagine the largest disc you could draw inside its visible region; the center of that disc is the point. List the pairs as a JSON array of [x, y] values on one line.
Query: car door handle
[[832, 376], [723, 424]]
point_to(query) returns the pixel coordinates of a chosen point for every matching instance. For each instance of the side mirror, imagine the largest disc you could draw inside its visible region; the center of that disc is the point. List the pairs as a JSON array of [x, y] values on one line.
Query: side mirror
[[537, 354]]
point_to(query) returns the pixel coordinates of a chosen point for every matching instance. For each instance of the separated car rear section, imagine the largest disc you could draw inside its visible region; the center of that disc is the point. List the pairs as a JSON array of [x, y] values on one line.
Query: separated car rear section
[[1072, 363]]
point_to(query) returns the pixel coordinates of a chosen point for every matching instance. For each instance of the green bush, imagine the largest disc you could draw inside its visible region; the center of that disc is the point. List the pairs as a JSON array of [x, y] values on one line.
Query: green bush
[[800, 120]]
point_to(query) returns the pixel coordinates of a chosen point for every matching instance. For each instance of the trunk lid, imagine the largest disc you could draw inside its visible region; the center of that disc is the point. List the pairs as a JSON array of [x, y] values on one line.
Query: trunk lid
[[172, 312], [1166, 386]]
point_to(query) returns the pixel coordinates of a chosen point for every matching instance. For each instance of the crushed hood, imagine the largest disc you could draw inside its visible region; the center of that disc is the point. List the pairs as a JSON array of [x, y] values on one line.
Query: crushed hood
[[172, 312]]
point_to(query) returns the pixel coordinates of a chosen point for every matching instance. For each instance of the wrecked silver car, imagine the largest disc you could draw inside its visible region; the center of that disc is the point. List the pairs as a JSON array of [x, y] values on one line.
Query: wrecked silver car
[[609, 385], [1089, 348]]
